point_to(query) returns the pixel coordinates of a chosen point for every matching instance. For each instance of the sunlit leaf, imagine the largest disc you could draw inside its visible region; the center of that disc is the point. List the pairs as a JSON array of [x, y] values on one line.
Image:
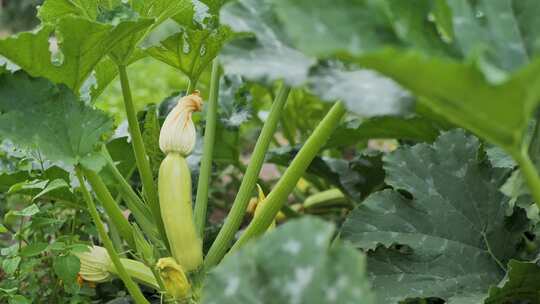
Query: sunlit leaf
[[37, 114]]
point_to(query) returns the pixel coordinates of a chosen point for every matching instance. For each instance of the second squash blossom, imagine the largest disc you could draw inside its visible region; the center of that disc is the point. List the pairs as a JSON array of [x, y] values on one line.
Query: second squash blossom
[[178, 131]]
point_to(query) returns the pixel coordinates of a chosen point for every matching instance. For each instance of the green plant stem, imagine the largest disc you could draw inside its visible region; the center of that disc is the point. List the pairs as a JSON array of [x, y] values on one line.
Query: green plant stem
[[287, 182], [133, 289], [238, 209], [287, 132], [529, 172], [140, 211], [190, 86], [116, 239], [201, 201], [111, 207], [125, 188], [327, 198], [141, 158]]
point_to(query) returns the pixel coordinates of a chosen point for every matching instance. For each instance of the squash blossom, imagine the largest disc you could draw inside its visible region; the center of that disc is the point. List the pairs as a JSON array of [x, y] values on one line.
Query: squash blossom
[[97, 267], [255, 207], [178, 131], [176, 140], [174, 278]]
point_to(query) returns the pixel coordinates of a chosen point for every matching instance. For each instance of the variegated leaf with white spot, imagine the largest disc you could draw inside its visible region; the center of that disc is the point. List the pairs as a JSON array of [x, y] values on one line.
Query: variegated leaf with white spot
[[293, 264]]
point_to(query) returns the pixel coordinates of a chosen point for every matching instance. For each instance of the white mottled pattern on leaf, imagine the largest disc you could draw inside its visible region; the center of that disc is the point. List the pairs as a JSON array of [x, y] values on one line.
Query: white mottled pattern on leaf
[[455, 231], [294, 265]]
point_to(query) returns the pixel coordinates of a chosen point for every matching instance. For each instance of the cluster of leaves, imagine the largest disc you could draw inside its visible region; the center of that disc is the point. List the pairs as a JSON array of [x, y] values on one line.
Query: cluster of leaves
[[440, 219], [39, 237]]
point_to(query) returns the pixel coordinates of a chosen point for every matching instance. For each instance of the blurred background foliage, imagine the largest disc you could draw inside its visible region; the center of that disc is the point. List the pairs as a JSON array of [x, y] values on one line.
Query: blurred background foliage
[[18, 15]]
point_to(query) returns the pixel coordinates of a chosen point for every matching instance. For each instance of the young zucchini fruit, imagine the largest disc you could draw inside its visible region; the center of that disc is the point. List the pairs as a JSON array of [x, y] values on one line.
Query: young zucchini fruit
[[176, 140]]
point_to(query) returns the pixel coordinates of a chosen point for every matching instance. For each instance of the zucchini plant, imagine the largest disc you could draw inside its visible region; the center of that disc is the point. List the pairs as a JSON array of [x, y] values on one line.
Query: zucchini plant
[[371, 152]]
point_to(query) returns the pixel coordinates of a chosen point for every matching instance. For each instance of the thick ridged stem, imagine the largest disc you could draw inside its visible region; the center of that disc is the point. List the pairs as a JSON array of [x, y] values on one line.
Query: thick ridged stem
[[238, 209], [133, 289], [529, 172], [111, 207], [201, 201], [287, 182], [141, 158], [140, 211]]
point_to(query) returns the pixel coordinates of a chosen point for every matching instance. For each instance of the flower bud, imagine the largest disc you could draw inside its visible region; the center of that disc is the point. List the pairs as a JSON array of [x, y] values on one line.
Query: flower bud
[[97, 267], [174, 278], [261, 199], [178, 131]]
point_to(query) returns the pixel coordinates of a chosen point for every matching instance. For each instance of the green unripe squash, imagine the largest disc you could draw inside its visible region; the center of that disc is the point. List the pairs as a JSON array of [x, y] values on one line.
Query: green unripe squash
[[174, 186]]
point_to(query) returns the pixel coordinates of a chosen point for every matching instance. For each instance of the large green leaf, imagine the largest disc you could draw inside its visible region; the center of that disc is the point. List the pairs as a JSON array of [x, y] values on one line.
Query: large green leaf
[[356, 26], [357, 177], [191, 50], [154, 12], [151, 12], [199, 14], [37, 114], [159, 11], [457, 238], [196, 41], [410, 128], [420, 24], [529, 25], [265, 53], [81, 45], [267, 57], [502, 32], [464, 93], [293, 264], [51, 11], [364, 92], [521, 284], [489, 26], [460, 93]]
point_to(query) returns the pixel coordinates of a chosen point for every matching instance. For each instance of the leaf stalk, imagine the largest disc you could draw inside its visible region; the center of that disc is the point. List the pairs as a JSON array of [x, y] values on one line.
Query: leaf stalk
[[238, 209], [286, 184], [111, 207], [141, 158], [529, 173], [201, 201], [133, 289]]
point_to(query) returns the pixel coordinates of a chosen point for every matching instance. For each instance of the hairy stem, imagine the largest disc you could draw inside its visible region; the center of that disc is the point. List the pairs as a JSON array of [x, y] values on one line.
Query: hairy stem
[[287, 182], [133, 289], [238, 209], [141, 158], [111, 207], [201, 201]]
